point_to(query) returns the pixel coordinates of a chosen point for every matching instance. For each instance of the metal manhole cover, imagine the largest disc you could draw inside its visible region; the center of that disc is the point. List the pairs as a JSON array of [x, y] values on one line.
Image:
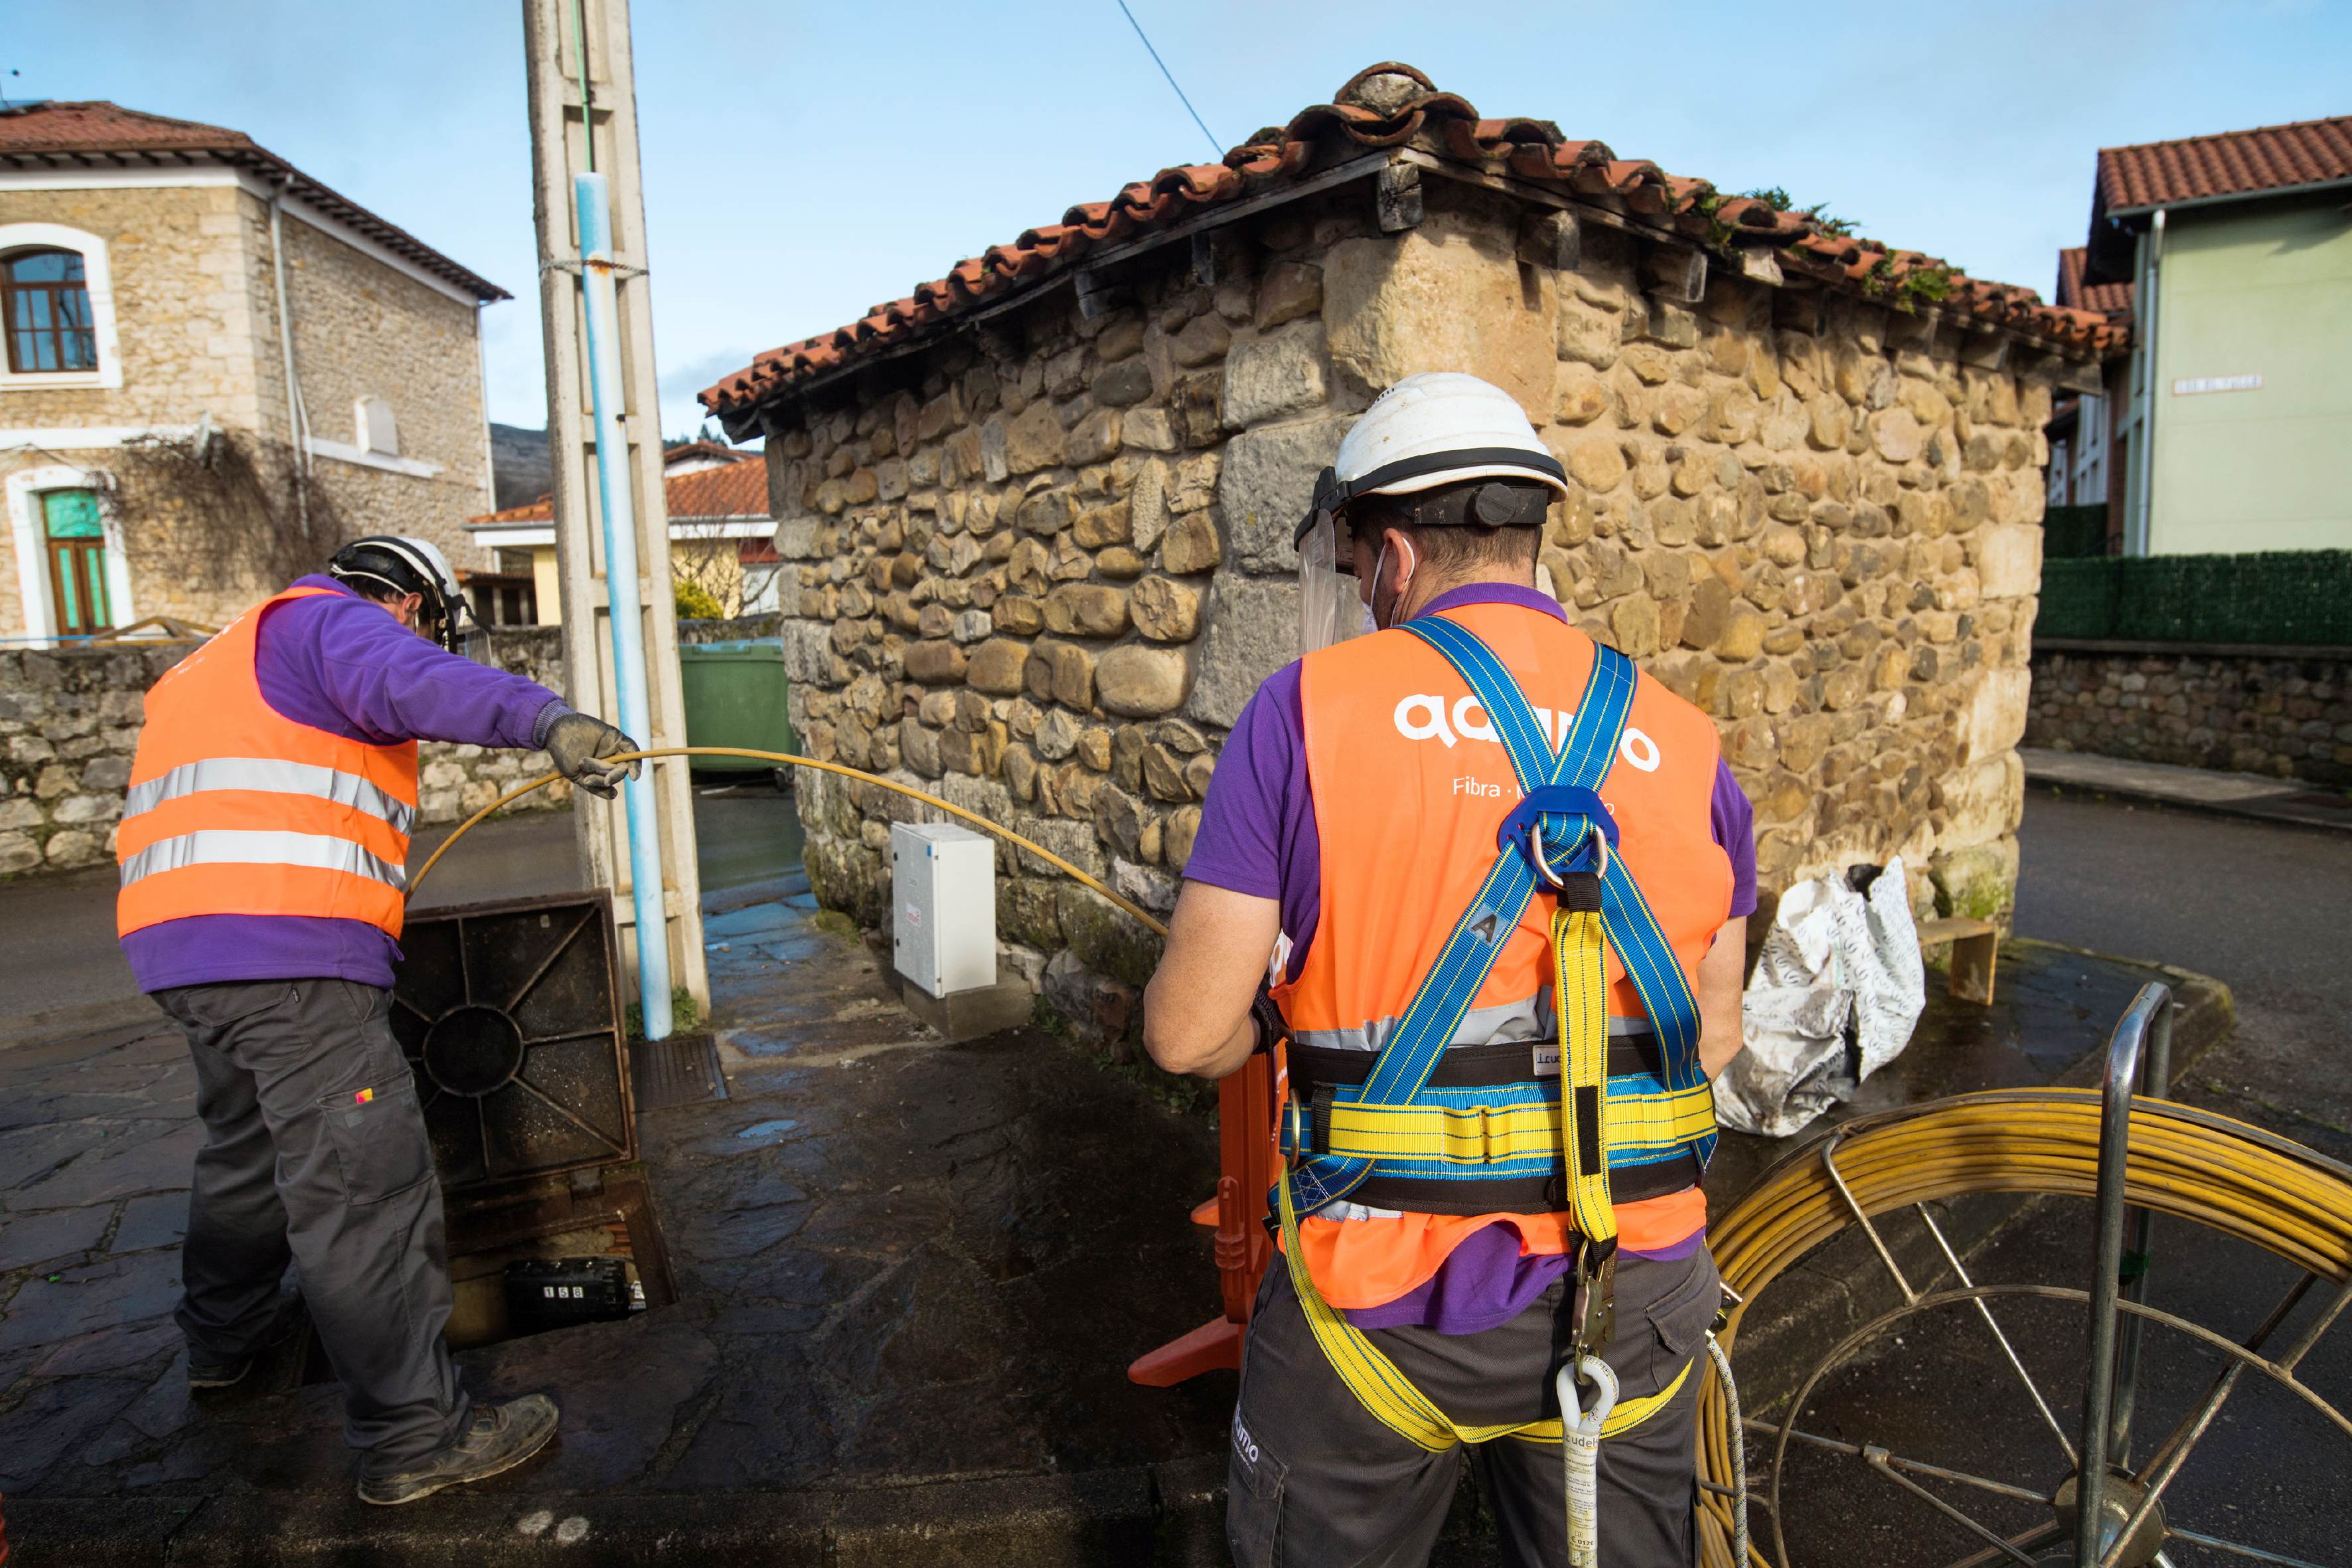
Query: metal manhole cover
[[510, 1016]]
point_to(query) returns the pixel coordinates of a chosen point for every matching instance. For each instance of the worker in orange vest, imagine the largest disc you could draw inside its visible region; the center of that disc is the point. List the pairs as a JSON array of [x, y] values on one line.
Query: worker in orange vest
[[1498, 880], [263, 846]]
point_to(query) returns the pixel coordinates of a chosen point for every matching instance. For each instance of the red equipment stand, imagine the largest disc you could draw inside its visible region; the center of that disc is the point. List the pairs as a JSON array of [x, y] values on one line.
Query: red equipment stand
[[1246, 1163]]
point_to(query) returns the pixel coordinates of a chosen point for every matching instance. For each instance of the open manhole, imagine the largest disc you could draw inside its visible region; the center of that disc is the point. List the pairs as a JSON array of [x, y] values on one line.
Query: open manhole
[[510, 1014]]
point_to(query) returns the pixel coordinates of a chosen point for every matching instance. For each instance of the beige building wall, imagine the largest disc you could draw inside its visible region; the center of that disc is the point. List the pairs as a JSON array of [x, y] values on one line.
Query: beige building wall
[[361, 330]]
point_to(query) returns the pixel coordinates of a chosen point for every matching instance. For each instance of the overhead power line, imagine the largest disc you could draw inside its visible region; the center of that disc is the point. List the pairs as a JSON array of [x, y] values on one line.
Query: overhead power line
[[1217, 148]]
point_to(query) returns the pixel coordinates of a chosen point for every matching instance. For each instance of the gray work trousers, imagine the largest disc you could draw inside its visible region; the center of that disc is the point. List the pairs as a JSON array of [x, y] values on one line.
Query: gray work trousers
[[1315, 1480], [315, 1152]]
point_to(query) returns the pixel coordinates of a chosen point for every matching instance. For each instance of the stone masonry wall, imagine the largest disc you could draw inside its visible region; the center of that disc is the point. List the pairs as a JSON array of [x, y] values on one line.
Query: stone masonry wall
[[1042, 564], [2282, 712], [69, 723]]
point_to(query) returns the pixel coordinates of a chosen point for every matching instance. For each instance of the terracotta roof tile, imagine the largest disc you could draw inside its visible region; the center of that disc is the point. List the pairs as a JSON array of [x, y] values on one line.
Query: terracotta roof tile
[[104, 135], [2107, 299], [1385, 106], [2227, 163], [707, 495]]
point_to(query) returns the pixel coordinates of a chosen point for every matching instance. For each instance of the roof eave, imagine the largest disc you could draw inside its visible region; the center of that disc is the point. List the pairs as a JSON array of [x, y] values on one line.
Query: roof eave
[[252, 156], [744, 419], [2227, 198]]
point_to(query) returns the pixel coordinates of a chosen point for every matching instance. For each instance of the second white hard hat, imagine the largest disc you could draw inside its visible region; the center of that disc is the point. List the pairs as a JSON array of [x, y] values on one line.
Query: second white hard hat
[[1437, 428]]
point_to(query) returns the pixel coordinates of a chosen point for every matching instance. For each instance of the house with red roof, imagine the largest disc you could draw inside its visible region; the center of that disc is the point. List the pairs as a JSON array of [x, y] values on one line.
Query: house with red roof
[[2222, 426], [722, 539], [212, 367]]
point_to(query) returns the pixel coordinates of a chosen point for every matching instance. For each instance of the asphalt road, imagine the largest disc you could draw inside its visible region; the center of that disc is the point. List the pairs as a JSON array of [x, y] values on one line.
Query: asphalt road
[[2265, 909]]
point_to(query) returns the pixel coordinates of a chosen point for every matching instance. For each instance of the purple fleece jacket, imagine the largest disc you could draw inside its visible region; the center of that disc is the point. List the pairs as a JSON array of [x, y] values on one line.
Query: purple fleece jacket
[[1258, 836], [339, 663]]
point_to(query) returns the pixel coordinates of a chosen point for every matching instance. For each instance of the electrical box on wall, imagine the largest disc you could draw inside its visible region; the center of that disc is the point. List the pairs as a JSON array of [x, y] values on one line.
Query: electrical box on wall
[[943, 907]]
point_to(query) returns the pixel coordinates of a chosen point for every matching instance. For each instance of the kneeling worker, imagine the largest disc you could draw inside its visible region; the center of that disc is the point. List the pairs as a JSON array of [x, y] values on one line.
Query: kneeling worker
[[263, 849], [1488, 848]]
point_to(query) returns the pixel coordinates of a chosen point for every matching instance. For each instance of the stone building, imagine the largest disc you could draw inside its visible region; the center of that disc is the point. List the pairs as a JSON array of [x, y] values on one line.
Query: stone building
[[213, 364], [1041, 511]]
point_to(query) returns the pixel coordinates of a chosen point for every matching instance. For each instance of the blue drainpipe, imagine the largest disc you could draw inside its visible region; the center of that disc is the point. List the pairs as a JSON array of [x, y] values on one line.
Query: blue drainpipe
[[618, 503]]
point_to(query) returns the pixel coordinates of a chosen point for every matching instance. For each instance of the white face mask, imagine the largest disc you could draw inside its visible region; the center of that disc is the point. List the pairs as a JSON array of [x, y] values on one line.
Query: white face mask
[[1379, 564]]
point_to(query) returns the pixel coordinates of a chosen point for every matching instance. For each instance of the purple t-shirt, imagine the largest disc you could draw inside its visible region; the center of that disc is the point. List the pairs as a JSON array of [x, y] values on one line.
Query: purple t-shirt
[[1258, 837], [339, 663]]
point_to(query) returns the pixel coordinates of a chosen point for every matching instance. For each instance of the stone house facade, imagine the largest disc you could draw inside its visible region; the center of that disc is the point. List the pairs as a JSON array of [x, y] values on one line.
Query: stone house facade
[[169, 437], [1041, 511]]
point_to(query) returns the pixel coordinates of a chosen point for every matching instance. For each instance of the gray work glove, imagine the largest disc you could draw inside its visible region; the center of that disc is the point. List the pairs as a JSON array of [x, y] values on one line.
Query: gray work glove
[[575, 742]]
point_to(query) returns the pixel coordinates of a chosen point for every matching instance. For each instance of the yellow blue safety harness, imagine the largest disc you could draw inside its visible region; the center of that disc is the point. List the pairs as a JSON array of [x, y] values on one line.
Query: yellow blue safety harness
[[1395, 1125]]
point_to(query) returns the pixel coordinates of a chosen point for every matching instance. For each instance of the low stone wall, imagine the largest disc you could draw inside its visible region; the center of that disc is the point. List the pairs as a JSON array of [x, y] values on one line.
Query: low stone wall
[[2283, 711], [69, 723]]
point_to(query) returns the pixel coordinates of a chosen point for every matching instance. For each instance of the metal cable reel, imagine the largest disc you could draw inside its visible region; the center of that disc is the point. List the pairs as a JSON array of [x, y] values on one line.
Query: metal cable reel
[[2070, 1368]]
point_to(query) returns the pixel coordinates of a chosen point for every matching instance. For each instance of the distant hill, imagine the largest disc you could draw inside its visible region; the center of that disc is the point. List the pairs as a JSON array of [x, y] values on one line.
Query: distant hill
[[520, 470]]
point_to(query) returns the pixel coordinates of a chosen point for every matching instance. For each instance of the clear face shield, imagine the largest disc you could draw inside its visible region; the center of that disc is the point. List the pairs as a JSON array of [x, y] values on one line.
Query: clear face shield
[[1331, 609], [455, 628]]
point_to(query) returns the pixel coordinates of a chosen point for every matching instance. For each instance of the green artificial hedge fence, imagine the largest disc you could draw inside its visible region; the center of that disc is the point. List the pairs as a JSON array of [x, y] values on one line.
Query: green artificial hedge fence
[[2302, 597], [2075, 530]]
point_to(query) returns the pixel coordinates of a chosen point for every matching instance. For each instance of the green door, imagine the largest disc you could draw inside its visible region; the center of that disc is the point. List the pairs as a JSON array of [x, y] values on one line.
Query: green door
[[77, 552]]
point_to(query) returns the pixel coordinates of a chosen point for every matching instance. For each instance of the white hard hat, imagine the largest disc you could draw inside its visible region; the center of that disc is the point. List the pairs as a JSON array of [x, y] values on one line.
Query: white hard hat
[[409, 565], [1429, 431]]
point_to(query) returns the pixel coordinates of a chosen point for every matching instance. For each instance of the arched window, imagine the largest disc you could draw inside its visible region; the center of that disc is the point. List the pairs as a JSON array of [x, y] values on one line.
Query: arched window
[[45, 304]]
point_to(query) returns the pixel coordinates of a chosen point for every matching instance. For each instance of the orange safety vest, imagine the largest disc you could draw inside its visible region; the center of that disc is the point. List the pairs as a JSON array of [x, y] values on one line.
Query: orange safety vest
[[235, 809], [1410, 784]]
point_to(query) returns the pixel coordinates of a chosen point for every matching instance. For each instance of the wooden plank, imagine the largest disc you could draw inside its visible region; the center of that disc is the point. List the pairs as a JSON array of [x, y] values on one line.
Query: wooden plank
[[1952, 928], [1398, 197], [1551, 239], [1974, 959]]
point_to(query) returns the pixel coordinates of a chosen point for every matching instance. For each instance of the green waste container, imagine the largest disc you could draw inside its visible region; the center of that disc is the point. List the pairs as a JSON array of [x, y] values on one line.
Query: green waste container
[[735, 696]]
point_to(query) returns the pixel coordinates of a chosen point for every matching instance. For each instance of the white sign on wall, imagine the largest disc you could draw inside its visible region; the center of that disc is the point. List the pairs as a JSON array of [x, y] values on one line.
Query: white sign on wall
[[2188, 385]]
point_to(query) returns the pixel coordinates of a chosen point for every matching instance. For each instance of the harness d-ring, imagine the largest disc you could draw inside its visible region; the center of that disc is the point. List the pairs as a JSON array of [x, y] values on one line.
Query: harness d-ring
[[1594, 834]]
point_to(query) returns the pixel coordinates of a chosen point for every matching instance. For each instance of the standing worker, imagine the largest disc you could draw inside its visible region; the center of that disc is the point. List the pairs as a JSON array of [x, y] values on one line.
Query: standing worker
[[263, 851], [1439, 831]]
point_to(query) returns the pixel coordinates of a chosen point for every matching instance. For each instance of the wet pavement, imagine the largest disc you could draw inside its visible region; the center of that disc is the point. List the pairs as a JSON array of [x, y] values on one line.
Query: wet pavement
[[912, 1275], [899, 1261]]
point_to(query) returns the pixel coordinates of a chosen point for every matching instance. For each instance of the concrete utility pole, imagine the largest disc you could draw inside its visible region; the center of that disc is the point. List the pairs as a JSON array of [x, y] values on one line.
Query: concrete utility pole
[[602, 311]]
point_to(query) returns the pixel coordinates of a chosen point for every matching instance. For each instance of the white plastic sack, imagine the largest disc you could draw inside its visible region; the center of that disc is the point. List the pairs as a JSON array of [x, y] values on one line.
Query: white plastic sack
[[1835, 967]]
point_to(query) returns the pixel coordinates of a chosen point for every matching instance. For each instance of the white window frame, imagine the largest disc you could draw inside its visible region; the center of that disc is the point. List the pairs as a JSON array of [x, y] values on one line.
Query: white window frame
[[24, 490], [97, 277]]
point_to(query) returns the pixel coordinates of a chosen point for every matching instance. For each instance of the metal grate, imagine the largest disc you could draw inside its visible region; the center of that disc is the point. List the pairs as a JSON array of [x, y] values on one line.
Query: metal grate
[[510, 1014], [681, 1070]]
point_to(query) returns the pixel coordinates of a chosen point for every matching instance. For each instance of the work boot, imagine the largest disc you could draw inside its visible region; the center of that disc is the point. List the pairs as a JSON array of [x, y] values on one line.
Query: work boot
[[499, 1437], [205, 1374]]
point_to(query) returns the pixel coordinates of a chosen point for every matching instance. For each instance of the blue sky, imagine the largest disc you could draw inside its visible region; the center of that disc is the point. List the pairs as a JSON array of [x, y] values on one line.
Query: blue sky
[[803, 161]]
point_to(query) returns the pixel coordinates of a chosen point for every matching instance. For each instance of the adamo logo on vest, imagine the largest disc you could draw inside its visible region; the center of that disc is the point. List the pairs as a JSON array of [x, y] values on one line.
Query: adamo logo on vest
[[1423, 717]]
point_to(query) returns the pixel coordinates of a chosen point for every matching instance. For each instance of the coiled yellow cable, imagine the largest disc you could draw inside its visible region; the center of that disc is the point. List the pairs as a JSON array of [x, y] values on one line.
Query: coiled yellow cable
[[788, 759], [2193, 1164]]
